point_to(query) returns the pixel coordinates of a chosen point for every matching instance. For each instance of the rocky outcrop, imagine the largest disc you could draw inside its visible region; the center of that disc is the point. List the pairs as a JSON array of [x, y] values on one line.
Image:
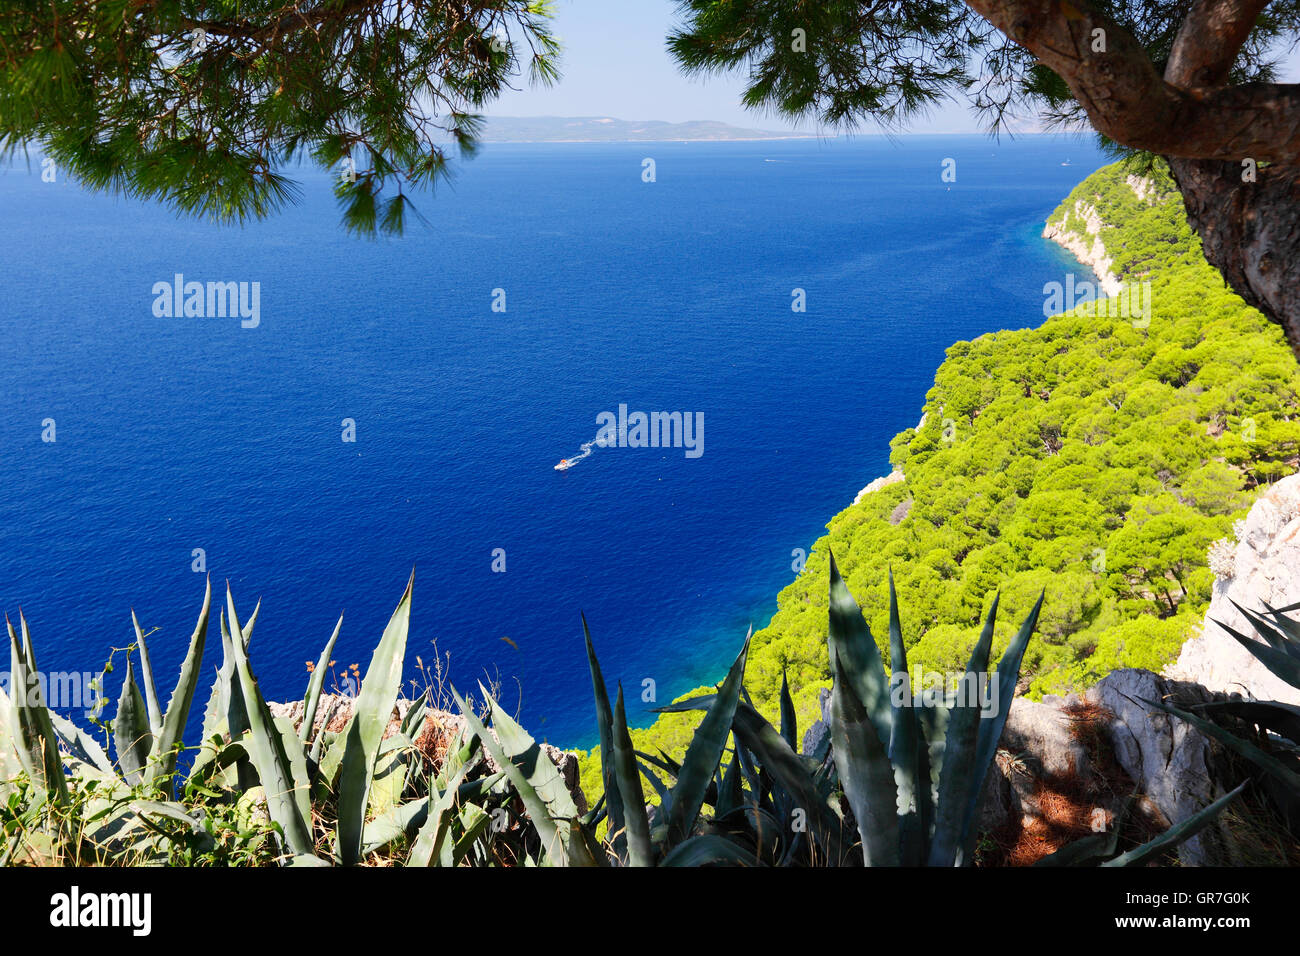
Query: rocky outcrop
[[1143, 188], [1067, 766], [1262, 567], [1168, 760], [893, 478], [438, 732], [1086, 244], [1087, 247]]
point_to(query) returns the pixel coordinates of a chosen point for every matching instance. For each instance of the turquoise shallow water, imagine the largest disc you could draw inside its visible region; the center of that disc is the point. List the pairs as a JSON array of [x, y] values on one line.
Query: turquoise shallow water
[[183, 433]]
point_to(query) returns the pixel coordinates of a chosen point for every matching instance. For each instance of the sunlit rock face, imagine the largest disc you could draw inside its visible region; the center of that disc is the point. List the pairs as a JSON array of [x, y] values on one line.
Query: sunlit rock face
[[1264, 568]]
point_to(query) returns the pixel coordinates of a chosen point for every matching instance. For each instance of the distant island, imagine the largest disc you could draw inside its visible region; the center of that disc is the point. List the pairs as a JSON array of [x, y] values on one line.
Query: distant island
[[605, 129]]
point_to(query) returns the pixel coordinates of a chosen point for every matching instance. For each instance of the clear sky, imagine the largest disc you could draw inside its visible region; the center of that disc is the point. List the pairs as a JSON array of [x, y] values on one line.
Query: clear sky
[[615, 64]]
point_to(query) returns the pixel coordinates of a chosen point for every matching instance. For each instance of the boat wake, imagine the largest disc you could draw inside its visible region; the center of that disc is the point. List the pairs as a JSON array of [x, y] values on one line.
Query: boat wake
[[585, 450]]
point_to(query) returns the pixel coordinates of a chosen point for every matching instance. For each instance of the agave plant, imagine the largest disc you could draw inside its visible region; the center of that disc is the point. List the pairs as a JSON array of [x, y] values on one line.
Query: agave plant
[[901, 785], [331, 797]]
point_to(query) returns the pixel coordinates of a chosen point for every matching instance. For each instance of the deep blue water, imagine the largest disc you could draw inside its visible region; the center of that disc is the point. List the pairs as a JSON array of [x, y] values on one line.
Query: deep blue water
[[183, 433]]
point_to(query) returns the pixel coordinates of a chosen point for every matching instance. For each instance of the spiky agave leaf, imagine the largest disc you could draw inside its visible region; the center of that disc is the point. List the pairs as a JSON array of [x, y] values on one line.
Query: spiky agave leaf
[[1275, 636], [1176, 835], [413, 722], [1280, 663], [266, 747], [35, 741], [535, 778], [960, 752], [627, 784], [440, 806], [704, 752], [850, 640], [1282, 719], [311, 700], [605, 725], [131, 737], [370, 714], [992, 721], [754, 734], [169, 739], [1260, 758], [907, 751], [146, 678], [862, 762], [789, 721]]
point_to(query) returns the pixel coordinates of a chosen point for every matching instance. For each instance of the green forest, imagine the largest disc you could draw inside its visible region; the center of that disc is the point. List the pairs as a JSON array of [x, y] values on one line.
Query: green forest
[[1086, 457]]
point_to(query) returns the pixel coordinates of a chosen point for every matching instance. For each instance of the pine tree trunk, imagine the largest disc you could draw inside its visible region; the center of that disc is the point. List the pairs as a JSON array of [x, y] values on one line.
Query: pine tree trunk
[[1250, 232]]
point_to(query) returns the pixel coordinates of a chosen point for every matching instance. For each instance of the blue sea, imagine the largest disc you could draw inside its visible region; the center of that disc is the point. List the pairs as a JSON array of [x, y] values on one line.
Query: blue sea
[[183, 433]]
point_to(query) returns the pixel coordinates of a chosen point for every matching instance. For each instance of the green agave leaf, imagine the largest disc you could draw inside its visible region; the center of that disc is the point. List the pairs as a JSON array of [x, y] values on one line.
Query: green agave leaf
[[1283, 719], [247, 629], [907, 752], [959, 778], [779, 758], [932, 719], [731, 792], [365, 732], [1272, 635], [79, 744], [849, 639], [663, 761], [413, 722], [530, 772], [992, 722], [1176, 835], [474, 822], [399, 822], [311, 701], [265, 745], [704, 752], [605, 724], [709, 850], [1084, 851], [867, 777], [35, 741], [389, 780], [789, 721], [131, 737], [293, 749], [590, 820], [1284, 666], [660, 788], [234, 707], [1265, 761], [1290, 628], [168, 742], [146, 679], [627, 784]]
